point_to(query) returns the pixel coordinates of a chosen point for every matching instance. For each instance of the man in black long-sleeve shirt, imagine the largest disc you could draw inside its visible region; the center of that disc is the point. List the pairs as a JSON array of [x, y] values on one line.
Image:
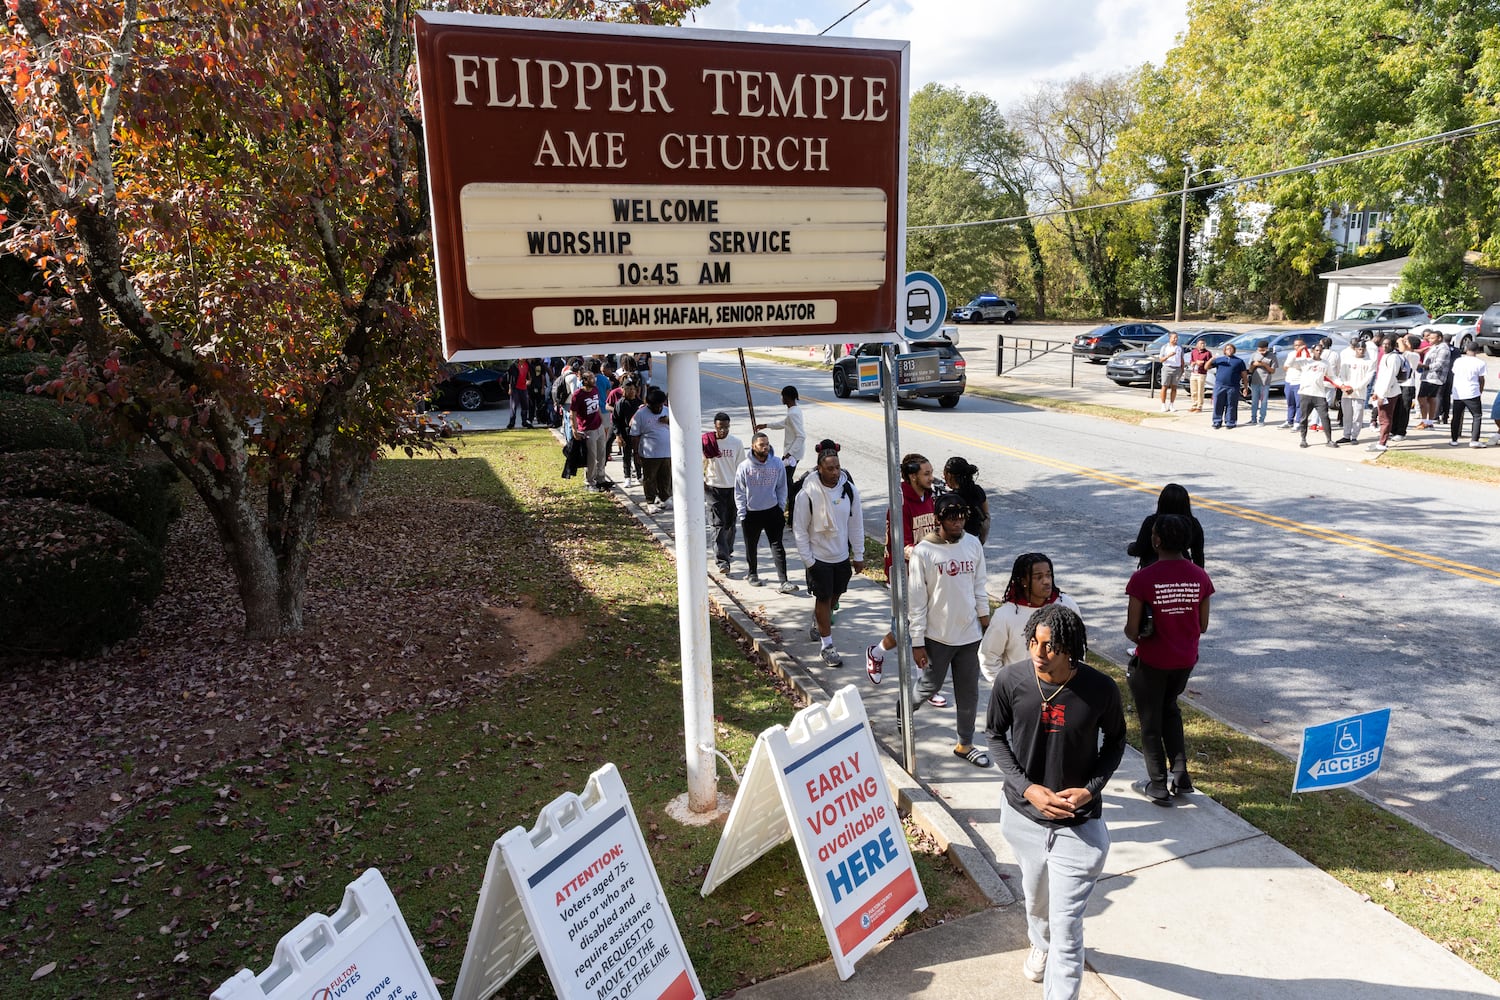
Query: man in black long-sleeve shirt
[[1046, 716]]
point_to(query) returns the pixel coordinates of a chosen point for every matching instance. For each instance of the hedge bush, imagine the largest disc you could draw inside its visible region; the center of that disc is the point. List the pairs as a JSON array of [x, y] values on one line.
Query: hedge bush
[[138, 493], [72, 579], [31, 422], [14, 368]]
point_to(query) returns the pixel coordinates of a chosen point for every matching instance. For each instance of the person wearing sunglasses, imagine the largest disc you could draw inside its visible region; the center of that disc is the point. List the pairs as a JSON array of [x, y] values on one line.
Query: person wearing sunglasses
[[950, 609]]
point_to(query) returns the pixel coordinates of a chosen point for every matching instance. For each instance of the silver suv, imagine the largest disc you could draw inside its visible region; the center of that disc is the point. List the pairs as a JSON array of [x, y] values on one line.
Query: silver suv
[[987, 307], [1489, 330], [1395, 315]]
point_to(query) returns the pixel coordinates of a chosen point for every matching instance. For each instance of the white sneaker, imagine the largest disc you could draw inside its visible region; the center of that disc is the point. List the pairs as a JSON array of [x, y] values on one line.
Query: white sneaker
[[1495, 439], [1478, 444], [1035, 966]]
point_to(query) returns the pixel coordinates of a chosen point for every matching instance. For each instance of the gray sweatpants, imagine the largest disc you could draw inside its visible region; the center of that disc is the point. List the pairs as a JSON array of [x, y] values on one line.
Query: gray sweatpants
[[1059, 866], [1354, 417], [965, 663]]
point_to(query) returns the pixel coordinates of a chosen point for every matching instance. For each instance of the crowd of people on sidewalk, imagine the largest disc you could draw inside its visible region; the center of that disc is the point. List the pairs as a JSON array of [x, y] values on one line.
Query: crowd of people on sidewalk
[[1380, 380]]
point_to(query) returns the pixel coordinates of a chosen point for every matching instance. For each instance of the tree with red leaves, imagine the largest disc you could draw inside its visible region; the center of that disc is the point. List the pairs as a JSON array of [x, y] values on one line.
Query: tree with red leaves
[[226, 202]]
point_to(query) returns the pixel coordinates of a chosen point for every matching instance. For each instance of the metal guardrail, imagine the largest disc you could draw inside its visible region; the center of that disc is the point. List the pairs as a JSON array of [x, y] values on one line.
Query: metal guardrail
[[1033, 353]]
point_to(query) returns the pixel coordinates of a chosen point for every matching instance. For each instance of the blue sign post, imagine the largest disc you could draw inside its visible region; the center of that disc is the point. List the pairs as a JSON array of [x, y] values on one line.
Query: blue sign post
[[1341, 753]]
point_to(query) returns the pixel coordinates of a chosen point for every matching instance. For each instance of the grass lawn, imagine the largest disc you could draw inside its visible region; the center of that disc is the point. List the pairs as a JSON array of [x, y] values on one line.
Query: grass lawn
[[200, 879]]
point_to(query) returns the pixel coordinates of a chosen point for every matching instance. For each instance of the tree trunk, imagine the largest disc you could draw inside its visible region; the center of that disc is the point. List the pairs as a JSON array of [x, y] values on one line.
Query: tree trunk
[[344, 491], [256, 571], [1038, 267]]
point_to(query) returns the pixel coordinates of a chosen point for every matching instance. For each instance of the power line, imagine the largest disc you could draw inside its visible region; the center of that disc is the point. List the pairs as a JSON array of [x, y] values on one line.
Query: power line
[[1457, 133], [846, 17]]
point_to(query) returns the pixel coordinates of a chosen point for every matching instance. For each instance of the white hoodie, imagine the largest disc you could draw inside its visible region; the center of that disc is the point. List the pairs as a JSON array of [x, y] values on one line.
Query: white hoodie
[[946, 591], [828, 524]]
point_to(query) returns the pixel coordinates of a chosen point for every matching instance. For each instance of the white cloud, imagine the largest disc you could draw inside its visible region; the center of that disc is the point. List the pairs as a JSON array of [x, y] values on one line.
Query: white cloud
[[1002, 48]]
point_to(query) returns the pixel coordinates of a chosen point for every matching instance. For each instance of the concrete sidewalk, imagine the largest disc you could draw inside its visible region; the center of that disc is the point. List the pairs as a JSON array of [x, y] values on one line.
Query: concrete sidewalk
[[1194, 902]]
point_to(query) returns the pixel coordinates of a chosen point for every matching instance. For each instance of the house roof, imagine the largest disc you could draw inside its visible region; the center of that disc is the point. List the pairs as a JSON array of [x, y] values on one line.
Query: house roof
[[1391, 269]]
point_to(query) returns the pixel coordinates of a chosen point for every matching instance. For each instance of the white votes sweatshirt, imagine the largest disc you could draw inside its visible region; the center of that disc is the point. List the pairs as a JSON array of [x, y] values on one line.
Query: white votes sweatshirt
[[946, 590], [720, 471]]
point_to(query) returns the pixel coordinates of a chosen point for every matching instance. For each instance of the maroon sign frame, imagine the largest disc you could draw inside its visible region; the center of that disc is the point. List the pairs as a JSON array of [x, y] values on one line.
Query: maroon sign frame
[[628, 186]]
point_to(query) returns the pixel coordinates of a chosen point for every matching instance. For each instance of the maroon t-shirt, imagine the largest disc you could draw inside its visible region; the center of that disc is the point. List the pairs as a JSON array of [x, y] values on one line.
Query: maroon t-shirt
[[585, 408], [1174, 588]]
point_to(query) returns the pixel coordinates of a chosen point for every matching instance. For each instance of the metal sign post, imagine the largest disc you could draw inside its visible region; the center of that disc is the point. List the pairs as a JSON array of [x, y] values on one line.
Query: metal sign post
[[897, 581]]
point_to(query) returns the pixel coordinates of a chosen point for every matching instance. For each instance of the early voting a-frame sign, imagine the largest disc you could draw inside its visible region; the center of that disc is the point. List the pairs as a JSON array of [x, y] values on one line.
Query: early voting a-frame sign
[[365, 949], [820, 782], [580, 888]]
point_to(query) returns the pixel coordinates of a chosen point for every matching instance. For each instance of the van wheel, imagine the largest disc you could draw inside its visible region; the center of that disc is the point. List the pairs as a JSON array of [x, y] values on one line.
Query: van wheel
[[948, 402]]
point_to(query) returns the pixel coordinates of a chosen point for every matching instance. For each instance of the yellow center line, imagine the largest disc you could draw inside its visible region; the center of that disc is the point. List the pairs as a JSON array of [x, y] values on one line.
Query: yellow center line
[[1409, 556]]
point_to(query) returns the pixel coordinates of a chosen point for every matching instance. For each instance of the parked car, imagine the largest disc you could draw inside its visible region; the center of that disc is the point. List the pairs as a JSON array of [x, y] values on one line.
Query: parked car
[[987, 307], [1282, 342], [947, 389], [1141, 367], [1102, 342], [1460, 327], [464, 388], [1395, 314], [1488, 335]]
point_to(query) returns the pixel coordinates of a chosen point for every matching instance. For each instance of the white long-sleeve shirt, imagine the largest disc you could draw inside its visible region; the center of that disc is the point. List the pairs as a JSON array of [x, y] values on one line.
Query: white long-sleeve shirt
[[795, 439], [946, 591], [1387, 376], [1005, 640], [839, 536]]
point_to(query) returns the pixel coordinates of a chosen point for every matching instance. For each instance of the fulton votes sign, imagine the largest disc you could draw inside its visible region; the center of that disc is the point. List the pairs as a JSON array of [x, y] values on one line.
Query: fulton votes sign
[[618, 185]]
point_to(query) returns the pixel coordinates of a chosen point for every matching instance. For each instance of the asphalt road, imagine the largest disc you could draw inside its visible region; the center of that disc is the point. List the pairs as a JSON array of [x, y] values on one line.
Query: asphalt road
[[1342, 587]]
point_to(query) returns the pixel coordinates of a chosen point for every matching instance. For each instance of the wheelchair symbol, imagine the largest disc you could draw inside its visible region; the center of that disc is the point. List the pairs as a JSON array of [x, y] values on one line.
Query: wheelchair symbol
[[1347, 737]]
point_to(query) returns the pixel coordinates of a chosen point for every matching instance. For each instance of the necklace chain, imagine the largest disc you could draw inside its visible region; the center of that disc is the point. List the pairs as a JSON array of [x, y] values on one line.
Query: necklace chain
[[1047, 699]]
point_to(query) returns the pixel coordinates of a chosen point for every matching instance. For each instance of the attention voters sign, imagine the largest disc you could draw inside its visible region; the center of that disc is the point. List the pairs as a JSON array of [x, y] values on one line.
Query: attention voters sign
[[819, 781], [580, 888], [1341, 753]]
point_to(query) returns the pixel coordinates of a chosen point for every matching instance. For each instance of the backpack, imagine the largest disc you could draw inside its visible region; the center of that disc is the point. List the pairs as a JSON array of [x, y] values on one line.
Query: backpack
[[560, 392], [1403, 366], [796, 487]]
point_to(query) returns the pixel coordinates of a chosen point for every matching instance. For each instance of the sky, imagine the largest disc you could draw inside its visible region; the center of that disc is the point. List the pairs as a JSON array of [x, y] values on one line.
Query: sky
[[1001, 48]]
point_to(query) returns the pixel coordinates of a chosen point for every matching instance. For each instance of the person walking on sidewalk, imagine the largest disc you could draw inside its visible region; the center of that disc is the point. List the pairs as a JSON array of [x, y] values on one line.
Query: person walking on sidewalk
[[652, 428], [1173, 499], [794, 438], [958, 475], [950, 610], [1168, 612], [719, 470], [828, 525], [1057, 730], [917, 520], [588, 427], [1230, 379], [1468, 387], [1171, 358], [1031, 586], [760, 502]]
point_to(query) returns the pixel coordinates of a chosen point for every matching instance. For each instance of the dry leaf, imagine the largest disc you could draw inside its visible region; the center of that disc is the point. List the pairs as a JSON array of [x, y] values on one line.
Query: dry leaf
[[43, 971]]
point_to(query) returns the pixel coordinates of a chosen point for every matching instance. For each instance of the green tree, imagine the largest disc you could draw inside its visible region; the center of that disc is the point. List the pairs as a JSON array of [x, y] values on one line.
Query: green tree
[[1262, 85], [967, 132], [226, 201], [1071, 131]]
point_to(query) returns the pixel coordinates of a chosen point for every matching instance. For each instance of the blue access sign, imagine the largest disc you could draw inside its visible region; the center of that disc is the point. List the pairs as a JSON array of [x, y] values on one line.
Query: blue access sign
[[1341, 753]]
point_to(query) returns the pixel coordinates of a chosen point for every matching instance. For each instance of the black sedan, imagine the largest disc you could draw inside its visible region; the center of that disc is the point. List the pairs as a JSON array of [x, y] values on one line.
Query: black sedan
[[470, 388], [1102, 343], [1142, 367]]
